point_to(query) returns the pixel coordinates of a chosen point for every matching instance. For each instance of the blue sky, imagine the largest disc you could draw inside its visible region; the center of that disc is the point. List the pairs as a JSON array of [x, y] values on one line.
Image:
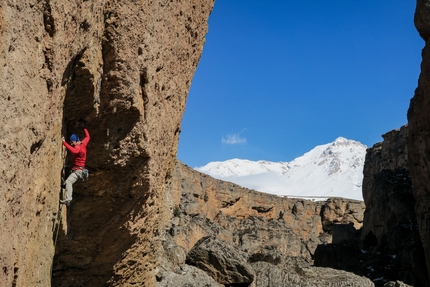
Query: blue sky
[[277, 78]]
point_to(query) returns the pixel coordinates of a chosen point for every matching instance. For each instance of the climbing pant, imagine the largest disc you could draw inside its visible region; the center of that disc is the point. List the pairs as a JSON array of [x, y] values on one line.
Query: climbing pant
[[73, 177]]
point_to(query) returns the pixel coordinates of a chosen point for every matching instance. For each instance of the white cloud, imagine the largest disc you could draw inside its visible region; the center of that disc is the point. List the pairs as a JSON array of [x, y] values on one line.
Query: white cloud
[[233, 139]]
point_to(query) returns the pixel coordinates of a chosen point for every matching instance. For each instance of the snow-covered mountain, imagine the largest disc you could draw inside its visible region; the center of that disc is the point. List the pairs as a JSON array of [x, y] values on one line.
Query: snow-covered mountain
[[334, 169]]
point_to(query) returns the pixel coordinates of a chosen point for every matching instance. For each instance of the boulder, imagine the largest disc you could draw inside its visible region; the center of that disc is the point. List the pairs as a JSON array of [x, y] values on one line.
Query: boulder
[[223, 262], [268, 275], [186, 275]]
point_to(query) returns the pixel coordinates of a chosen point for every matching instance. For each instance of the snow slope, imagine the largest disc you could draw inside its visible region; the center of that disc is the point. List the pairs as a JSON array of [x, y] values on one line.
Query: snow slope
[[330, 170]]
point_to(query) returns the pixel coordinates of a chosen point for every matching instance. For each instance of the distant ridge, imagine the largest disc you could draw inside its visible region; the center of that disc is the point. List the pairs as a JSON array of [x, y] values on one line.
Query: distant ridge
[[330, 170]]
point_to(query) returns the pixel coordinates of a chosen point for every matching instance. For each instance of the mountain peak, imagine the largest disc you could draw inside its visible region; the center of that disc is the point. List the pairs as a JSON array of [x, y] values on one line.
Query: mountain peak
[[332, 170], [341, 141]]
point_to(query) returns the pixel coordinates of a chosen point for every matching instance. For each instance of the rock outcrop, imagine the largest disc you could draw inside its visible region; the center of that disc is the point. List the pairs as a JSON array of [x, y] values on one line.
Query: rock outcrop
[[389, 247], [226, 264], [390, 232], [125, 67], [419, 133]]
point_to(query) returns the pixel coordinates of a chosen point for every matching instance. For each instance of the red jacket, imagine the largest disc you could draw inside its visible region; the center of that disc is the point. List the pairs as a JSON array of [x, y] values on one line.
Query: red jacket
[[79, 152]]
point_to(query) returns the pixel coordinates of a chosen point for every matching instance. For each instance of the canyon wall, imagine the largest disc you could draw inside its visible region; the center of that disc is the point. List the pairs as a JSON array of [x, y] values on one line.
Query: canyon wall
[[125, 67], [396, 188], [390, 233], [419, 132], [388, 246]]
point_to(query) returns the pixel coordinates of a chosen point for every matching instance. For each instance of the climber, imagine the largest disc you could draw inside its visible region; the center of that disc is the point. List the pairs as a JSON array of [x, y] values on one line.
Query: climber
[[78, 149]]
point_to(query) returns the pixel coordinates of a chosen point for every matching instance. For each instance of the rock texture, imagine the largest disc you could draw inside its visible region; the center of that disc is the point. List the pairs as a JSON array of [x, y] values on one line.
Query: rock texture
[[273, 276], [419, 133], [126, 68], [226, 264]]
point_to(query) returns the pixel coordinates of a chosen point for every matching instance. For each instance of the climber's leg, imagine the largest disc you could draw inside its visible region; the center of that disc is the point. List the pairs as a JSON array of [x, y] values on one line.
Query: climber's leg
[[73, 177]]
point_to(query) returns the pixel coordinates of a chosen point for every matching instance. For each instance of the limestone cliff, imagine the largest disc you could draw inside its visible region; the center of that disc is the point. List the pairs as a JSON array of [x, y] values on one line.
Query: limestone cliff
[[125, 67], [396, 187]]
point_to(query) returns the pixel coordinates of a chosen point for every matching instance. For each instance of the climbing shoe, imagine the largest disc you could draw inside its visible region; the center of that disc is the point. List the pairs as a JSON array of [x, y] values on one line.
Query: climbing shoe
[[66, 202]]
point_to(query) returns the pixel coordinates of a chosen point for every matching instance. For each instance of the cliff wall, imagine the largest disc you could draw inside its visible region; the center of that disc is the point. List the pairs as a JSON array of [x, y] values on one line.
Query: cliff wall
[[125, 67], [419, 132], [388, 246], [390, 233], [396, 190]]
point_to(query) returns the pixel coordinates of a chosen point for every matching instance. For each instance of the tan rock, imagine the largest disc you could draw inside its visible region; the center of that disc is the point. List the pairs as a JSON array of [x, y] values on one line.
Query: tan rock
[[126, 68]]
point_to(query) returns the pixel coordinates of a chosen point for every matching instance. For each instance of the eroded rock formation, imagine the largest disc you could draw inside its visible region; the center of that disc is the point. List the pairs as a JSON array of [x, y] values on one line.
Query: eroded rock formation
[[126, 68], [396, 186]]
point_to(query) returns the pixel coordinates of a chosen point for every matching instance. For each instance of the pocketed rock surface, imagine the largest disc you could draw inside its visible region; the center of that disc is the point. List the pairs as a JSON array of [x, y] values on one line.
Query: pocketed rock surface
[[125, 67]]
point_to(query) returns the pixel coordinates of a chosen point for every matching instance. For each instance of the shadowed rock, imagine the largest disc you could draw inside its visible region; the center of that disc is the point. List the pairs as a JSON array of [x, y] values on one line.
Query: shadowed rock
[[226, 264]]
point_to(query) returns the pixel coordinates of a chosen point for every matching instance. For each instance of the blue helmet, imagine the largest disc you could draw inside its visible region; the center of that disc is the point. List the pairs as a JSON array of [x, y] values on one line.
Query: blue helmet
[[74, 138]]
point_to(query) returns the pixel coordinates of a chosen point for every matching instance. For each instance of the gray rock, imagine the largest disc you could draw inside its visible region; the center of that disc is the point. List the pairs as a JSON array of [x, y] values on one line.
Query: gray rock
[[396, 284], [223, 262], [185, 276], [268, 275]]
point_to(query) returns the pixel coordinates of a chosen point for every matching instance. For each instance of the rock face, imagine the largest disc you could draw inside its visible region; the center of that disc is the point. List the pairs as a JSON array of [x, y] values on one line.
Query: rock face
[[390, 232], [419, 132], [389, 247], [390, 224], [396, 187], [126, 68]]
